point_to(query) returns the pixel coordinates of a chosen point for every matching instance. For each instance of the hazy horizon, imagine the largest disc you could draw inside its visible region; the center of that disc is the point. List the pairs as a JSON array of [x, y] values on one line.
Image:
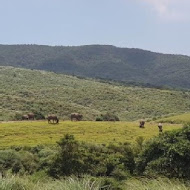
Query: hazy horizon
[[155, 25]]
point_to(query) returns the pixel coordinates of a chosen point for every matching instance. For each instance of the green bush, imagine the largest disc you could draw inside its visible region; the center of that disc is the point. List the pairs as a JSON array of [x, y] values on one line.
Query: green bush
[[76, 158], [168, 155], [18, 116], [38, 115], [10, 160], [107, 117], [99, 119]]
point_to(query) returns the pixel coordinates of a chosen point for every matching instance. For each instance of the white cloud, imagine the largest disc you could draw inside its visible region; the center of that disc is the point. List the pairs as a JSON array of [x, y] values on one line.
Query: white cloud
[[171, 9]]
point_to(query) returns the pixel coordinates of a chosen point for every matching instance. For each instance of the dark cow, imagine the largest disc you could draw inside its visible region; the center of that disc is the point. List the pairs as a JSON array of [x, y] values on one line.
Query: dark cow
[[141, 124], [76, 117], [160, 127], [25, 117], [52, 118], [31, 116]]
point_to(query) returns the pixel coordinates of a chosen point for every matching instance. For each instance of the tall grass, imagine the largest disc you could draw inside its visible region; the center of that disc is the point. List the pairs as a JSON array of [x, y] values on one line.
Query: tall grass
[[87, 183], [72, 183], [155, 184]]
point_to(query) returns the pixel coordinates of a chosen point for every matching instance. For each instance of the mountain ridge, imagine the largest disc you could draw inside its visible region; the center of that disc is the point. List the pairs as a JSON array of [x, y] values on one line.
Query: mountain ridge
[[102, 61]]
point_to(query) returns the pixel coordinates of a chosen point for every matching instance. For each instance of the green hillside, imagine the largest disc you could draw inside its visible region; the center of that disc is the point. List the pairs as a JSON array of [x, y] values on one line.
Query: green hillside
[[23, 91], [182, 118], [101, 61]]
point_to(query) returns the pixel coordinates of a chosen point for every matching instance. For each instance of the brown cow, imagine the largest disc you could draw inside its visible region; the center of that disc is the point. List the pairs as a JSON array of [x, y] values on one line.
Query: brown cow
[[141, 124], [25, 117], [160, 127], [76, 117], [52, 118], [31, 116]]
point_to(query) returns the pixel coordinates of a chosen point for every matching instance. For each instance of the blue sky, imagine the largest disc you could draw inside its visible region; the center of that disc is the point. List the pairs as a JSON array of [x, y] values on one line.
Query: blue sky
[[156, 25]]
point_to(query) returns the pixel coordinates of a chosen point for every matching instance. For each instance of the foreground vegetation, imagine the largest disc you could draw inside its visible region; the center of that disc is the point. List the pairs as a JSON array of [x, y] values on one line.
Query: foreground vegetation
[[112, 166], [155, 184], [23, 91], [32, 133], [72, 183], [27, 183]]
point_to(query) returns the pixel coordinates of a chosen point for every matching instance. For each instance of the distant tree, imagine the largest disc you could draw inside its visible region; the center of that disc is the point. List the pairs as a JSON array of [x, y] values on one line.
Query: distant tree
[[38, 115], [99, 119], [107, 117], [68, 161], [18, 116]]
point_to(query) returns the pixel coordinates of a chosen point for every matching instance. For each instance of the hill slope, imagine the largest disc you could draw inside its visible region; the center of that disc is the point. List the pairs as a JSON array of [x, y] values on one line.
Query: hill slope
[[100, 61], [23, 90], [182, 118]]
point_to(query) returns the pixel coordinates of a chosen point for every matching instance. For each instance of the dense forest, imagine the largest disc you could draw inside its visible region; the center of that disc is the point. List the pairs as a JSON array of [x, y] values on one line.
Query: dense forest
[[102, 61]]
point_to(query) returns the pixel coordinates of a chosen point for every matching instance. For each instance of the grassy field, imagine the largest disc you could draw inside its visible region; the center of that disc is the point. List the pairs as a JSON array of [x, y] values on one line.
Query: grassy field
[[182, 118], [31, 133]]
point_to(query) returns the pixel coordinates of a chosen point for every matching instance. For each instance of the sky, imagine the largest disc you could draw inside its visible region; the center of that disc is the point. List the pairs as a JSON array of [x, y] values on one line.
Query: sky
[[156, 25]]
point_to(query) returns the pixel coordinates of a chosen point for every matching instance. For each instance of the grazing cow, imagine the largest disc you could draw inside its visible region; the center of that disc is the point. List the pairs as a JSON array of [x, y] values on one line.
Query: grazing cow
[[141, 124], [31, 116], [2, 174], [160, 127], [76, 117], [52, 118], [25, 117]]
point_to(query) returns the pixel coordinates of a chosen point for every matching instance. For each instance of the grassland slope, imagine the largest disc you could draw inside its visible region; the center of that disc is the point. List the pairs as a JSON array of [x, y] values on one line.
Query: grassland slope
[[23, 91], [181, 118]]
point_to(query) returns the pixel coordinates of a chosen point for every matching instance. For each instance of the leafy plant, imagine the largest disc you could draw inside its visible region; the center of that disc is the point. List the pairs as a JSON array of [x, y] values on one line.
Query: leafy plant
[[168, 154]]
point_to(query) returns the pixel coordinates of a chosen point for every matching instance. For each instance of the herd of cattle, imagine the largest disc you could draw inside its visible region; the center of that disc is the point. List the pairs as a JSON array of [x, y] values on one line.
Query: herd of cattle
[[53, 118], [142, 124], [75, 117]]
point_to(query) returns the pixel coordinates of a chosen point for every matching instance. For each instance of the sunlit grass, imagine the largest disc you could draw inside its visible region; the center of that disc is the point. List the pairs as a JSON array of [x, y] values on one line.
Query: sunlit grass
[[155, 184], [71, 183], [32, 133], [86, 183], [182, 118]]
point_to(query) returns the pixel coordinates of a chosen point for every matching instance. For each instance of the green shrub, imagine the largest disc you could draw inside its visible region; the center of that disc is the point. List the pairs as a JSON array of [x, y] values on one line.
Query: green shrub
[[38, 115], [168, 155], [99, 119], [108, 117], [76, 158], [10, 160], [18, 116]]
